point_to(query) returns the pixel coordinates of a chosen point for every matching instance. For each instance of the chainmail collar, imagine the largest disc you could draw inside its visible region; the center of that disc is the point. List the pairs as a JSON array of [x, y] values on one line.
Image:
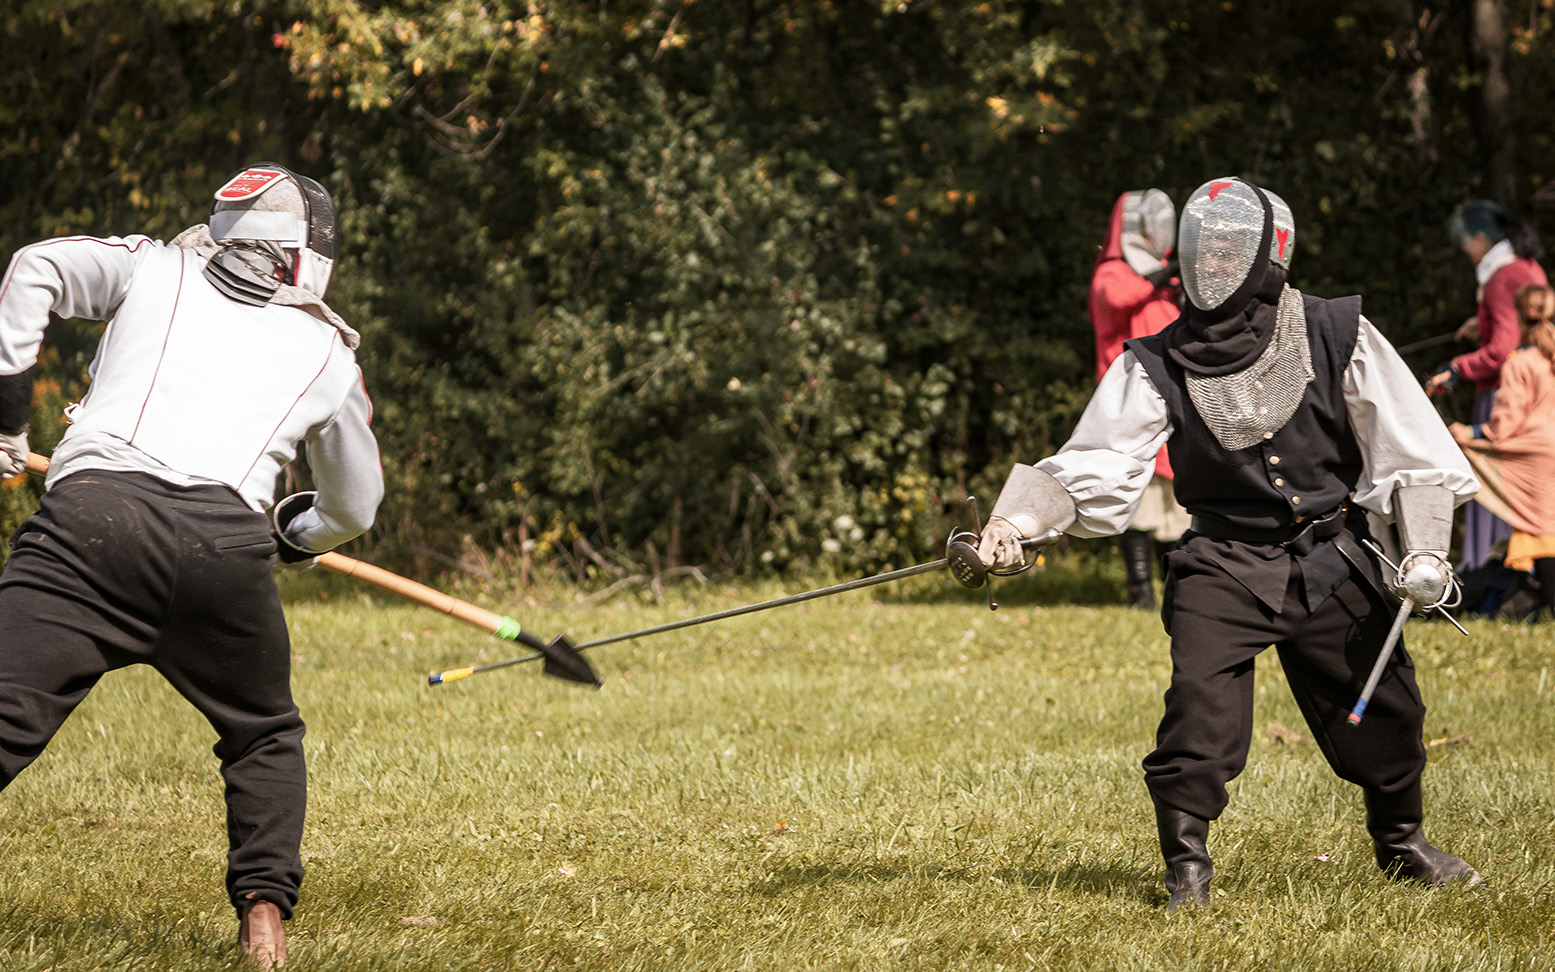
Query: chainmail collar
[[198, 239], [1248, 406]]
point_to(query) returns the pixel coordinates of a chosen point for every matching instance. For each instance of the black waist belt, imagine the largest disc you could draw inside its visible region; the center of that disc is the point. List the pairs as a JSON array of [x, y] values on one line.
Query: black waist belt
[[1299, 538]]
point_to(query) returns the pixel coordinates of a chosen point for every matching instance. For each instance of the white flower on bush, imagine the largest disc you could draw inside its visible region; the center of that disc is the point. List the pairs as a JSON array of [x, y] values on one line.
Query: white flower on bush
[[847, 528], [831, 546]]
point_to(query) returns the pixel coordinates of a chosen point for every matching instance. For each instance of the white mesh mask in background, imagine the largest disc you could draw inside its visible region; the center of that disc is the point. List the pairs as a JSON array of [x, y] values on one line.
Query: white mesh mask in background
[[1149, 230]]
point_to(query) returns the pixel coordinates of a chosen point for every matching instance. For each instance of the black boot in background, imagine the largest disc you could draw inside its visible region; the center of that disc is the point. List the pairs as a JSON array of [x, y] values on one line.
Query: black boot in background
[[1188, 867], [1138, 549], [1394, 819], [1544, 576]]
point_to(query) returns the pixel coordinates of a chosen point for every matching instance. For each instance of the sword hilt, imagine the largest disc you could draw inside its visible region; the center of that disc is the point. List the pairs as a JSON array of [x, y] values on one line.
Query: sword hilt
[[1440, 607], [961, 556], [967, 567]]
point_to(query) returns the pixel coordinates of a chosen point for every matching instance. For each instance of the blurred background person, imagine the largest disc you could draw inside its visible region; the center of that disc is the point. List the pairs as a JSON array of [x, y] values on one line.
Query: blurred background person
[[1505, 253], [1134, 293], [1513, 451]]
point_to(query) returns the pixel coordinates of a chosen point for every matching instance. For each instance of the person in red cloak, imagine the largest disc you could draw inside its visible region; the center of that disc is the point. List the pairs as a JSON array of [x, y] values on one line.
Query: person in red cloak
[[1134, 293]]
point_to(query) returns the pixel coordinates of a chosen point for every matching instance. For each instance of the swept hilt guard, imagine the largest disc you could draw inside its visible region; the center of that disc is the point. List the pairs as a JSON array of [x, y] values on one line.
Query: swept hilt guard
[[1453, 598], [967, 567], [961, 555]]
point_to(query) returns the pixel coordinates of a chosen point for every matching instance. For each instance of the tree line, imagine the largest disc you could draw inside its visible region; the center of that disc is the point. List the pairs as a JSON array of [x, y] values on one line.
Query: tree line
[[754, 284]]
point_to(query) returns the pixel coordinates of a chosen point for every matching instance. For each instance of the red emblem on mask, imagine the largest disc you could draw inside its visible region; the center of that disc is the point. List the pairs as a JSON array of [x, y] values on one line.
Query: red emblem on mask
[[248, 184], [1284, 237], [1215, 187]]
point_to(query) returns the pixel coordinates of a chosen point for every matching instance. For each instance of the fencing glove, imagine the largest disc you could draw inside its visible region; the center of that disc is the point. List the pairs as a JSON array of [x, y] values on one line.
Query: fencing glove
[[1032, 504], [1424, 518], [13, 453]]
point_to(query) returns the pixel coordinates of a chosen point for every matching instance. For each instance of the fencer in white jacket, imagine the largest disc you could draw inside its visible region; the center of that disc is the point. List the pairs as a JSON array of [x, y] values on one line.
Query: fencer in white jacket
[[219, 361]]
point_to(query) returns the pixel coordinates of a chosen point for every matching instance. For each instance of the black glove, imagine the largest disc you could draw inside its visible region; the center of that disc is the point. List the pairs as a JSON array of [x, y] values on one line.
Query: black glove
[[1163, 276], [16, 402], [281, 516]]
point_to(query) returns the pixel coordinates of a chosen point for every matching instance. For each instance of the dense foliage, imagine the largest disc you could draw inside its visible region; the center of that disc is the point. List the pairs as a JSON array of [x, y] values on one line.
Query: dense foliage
[[664, 282]]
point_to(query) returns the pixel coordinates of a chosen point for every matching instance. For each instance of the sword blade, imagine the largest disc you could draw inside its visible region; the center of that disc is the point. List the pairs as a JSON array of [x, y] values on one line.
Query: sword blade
[[730, 613], [955, 559], [1404, 610], [1429, 342], [768, 605]]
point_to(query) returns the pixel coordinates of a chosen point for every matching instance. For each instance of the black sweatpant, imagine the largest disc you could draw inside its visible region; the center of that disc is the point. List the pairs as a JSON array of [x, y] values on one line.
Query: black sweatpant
[[1217, 630], [117, 569]]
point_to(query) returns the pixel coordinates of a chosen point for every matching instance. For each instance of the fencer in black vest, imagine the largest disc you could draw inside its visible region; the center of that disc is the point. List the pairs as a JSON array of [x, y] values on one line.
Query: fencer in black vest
[[1287, 418]]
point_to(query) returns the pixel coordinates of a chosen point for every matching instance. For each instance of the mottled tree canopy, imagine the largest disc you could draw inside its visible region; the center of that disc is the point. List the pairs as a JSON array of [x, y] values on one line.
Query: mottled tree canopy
[[658, 282]]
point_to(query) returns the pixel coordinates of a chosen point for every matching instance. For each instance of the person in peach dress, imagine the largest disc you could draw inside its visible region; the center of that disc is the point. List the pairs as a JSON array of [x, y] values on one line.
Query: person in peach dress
[[1513, 451]]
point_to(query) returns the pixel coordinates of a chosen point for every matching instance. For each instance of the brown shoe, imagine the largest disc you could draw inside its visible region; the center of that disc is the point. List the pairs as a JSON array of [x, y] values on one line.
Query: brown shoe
[[261, 938]]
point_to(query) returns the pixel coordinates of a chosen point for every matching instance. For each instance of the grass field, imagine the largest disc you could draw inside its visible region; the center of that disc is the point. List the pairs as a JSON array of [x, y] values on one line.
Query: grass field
[[895, 778]]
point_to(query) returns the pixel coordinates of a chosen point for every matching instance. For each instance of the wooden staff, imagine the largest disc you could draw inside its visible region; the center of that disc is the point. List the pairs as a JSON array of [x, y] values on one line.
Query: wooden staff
[[561, 659]]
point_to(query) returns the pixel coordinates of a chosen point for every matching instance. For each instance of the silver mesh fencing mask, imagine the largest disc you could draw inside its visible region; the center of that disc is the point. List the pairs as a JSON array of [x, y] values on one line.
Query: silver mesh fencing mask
[[1149, 230], [1284, 242], [267, 203], [1223, 243]]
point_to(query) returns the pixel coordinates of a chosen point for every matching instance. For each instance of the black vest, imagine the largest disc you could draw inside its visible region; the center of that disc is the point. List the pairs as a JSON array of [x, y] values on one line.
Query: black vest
[[1303, 471]]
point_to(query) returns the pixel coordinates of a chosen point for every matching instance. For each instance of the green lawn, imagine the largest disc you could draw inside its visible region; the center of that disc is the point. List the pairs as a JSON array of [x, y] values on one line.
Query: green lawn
[[894, 778]]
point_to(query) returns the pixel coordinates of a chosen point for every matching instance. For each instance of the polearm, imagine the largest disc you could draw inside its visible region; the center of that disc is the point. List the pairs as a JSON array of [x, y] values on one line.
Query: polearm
[[960, 556], [561, 658]]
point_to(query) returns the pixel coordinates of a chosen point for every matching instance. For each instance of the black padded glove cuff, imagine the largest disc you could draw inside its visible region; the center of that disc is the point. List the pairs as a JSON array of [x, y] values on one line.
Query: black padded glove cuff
[[281, 516], [15, 402]]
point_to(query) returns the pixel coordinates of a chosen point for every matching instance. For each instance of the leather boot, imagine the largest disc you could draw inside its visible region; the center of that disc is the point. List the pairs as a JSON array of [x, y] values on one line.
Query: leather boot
[[1138, 547], [1188, 867], [1394, 819], [261, 938]]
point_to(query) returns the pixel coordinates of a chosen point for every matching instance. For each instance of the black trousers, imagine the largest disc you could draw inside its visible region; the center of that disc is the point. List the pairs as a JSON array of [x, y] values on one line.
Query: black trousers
[[117, 569], [1218, 629]]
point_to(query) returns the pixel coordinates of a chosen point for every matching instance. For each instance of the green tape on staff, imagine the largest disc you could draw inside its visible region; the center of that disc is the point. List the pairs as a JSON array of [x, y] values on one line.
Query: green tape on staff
[[507, 628]]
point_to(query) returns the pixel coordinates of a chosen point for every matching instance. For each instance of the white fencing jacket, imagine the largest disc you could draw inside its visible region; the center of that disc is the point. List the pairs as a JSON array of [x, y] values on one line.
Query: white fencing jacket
[[191, 387]]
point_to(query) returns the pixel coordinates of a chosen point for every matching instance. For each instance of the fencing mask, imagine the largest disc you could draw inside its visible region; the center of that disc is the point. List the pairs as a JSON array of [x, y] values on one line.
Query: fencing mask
[[1224, 236], [1284, 242], [273, 227], [1149, 230]]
